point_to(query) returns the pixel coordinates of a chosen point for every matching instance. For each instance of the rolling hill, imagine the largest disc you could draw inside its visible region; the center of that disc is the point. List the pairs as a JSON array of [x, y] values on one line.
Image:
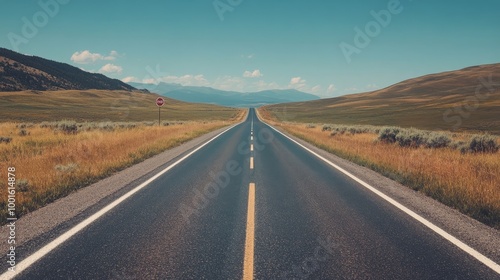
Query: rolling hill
[[20, 72], [466, 99], [101, 105], [226, 98]]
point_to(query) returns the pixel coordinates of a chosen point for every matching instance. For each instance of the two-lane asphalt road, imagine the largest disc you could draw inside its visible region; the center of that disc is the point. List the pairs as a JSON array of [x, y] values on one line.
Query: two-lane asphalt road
[[252, 204]]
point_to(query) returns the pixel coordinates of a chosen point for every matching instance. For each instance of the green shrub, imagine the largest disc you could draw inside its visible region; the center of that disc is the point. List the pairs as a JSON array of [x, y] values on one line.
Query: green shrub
[[68, 127], [46, 125], [149, 123], [25, 125], [327, 127], [411, 138], [127, 125], [107, 126], [482, 144], [4, 139], [22, 185], [388, 134], [438, 140], [66, 168], [341, 129], [23, 132]]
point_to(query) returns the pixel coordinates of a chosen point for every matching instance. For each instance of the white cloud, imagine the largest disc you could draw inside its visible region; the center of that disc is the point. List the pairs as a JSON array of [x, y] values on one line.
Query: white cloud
[[111, 68], [230, 83], [331, 88], [316, 89], [371, 87], [149, 81], [129, 79], [352, 89], [252, 74], [185, 80], [227, 82], [297, 83], [86, 57], [248, 56], [262, 85]]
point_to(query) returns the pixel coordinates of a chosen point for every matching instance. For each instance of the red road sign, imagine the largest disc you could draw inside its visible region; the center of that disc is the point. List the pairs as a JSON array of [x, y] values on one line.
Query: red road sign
[[160, 101]]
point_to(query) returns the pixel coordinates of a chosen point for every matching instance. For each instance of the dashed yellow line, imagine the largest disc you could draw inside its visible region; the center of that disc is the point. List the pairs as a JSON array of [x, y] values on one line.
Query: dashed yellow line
[[251, 148], [251, 162], [250, 237]]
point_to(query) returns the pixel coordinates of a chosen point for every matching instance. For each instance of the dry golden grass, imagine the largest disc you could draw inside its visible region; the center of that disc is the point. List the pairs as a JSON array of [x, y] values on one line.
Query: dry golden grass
[[467, 182], [55, 163]]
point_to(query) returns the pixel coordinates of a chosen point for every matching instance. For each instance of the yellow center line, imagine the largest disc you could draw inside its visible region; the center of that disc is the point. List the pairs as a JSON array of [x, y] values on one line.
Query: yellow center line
[[251, 147], [249, 241], [251, 138], [251, 162]]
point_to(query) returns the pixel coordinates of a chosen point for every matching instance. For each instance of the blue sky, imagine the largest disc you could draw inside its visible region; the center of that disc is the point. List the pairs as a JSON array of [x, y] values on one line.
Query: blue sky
[[250, 45]]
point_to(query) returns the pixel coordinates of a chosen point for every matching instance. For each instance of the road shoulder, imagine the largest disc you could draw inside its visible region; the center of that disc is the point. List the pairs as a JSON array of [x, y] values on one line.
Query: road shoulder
[[481, 237]]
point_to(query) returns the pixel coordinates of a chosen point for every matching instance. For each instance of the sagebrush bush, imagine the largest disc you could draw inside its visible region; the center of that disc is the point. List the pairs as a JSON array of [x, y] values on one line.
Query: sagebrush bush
[[23, 132], [437, 140], [74, 127], [127, 125], [22, 185], [4, 139], [352, 129], [25, 125], [411, 138], [310, 125], [388, 134], [107, 126], [482, 144], [70, 167], [149, 123], [68, 127]]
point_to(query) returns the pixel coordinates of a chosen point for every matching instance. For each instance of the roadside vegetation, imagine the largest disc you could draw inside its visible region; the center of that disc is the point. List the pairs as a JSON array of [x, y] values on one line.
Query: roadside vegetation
[[53, 159], [461, 170]]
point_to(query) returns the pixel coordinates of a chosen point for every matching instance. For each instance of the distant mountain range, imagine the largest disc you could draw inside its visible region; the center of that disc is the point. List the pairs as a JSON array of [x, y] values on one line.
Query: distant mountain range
[[226, 98], [20, 72]]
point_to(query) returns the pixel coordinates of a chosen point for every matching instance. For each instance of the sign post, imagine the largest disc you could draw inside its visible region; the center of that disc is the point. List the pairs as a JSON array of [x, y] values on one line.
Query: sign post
[[159, 102]]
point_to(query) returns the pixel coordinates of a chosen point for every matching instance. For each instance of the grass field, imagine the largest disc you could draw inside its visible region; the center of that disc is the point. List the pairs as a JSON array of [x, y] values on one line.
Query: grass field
[[425, 114], [95, 105], [61, 141], [55, 159], [469, 182], [462, 100]]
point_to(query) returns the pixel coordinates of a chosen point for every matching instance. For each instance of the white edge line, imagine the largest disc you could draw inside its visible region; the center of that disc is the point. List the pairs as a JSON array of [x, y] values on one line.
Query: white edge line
[[466, 248], [24, 264]]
